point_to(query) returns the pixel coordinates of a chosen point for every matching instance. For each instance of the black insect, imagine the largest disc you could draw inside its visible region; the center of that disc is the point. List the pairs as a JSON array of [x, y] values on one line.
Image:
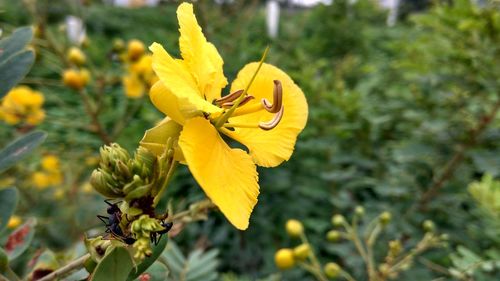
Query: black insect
[[112, 223], [156, 236]]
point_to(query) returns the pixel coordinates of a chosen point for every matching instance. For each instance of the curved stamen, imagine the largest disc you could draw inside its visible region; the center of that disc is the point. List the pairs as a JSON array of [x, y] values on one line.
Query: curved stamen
[[273, 123], [245, 100], [277, 99], [229, 98]]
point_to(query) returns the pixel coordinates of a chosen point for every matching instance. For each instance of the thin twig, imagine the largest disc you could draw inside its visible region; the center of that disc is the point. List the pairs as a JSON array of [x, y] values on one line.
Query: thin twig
[[65, 270]]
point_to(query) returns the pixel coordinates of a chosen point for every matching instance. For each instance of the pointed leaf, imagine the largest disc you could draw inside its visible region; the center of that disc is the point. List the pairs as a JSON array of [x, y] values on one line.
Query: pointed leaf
[[8, 202], [20, 148], [20, 239], [14, 69], [15, 42], [115, 266]]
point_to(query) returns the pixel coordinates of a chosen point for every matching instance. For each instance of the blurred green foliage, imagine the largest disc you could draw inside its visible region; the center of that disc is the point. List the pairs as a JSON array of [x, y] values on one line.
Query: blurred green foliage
[[390, 108]]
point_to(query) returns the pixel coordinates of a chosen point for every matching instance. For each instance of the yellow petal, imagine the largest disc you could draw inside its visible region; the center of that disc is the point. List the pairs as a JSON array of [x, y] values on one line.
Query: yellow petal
[[155, 139], [270, 148], [168, 103], [228, 176], [200, 56], [177, 78]]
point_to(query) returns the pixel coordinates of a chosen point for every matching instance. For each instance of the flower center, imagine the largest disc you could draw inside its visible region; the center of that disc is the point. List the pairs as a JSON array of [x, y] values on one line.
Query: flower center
[[243, 107]]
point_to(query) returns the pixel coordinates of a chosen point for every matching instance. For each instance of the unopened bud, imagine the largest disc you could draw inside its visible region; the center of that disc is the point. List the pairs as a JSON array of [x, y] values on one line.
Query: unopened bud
[[385, 218], [76, 56], [333, 236], [135, 49], [395, 248], [284, 259], [338, 220], [302, 251], [332, 270], [118, 45], [359, 211], [294, 228], [428, 226]]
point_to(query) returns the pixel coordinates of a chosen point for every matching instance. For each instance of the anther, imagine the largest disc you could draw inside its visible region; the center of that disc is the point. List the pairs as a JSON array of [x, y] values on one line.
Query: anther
[[245, 100], [277, 99], [229, 98], [273, 123]]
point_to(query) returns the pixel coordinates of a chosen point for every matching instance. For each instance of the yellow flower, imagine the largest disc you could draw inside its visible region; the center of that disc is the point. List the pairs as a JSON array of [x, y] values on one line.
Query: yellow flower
[[135, 49], [14, 222], [134, 87], [76, 79], [76, 56], [189, 93], [22, 104], [50, 163], [41, 180]]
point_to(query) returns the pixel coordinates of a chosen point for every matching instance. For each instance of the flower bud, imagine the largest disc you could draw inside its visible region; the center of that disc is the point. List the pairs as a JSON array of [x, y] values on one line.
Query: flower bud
[[338, 220], [359, 211], [395, 248], [284, 259], [100, 180], [14, 222], [294, 228], [384, 269], [302, 251], [428, 226], [74, 79], [332, 270], [385, 218], [118, 45], [76, 56], [135, 49], [333, 236], [144, 162]]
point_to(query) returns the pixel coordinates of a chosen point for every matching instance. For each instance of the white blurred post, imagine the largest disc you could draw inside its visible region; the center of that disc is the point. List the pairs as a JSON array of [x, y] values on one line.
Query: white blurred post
[[272, 18], [393, 12]]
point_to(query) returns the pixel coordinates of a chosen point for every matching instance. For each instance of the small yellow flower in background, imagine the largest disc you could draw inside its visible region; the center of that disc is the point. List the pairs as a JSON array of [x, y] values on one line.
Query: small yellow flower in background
[[59, 194], [76, 79], [135, 49], [40, 180], [76, 56], [134, 87], [140, 75], [50, 175], [87, 187], [22, 105], [14, 222], [294, 228], [189, 93]]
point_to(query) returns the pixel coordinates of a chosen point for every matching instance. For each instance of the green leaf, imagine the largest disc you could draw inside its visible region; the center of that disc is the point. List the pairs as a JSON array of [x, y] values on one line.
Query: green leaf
[[157, 250], [157, 272], [15, 42], [14, 69], [115, 266], [20, 239], [199, 266], [8, 202], [20, 148], [4, 261]]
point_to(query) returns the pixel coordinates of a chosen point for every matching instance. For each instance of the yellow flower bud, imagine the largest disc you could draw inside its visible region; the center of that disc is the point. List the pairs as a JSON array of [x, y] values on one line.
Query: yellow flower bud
[[118, 45], [302, 251], [385, 218], [14, 222], [76, 56], [284, 259], [135, 49], [294, 228], [332, 270], [74, 79], [338, 220], [333, 236], [359, 211]]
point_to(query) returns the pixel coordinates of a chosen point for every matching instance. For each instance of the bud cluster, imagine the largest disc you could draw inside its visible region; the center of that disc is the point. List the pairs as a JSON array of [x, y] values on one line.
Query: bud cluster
[[142, 229], [121, 176]]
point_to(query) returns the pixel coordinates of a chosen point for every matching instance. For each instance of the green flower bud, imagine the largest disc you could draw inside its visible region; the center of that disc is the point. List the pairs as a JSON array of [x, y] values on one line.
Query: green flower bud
[[144, 162], [102, 182], [338, 220], [428, 226], [359, 211], [333, 236], [385, 218], [332, 270], [395, 248]]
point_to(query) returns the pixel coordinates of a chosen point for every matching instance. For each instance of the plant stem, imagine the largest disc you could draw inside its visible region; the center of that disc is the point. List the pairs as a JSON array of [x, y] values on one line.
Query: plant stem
[[457, 158], [94, 118], [76, 264], [170, 173], [314, 271]]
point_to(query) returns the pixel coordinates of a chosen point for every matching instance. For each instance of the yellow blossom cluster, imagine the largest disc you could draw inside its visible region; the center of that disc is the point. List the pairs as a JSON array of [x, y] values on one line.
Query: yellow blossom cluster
[[22, 105], [76, 77], [50, 174], [140, 75]]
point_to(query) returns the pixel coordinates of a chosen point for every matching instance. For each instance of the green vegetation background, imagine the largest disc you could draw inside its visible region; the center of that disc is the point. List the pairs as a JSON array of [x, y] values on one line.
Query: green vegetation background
[[389, 107]]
